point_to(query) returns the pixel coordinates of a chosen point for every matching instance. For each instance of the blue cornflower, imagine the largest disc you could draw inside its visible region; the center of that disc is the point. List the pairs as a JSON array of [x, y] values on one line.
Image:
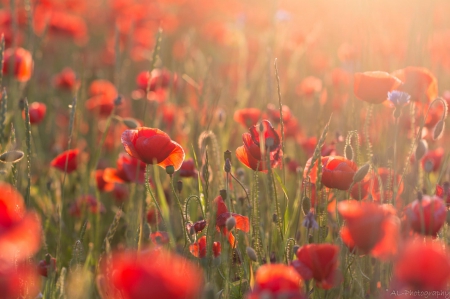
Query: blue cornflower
[[398, 98]]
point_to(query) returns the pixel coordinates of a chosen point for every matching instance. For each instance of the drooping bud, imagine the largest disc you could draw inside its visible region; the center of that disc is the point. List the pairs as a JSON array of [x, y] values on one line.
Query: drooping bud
[[349, 152], [251, 253], [421, 149], [275, 218], [131, 123], [438, 129], [361, 173], [306, 205], [13, 156], [230, 223], [199, 225]]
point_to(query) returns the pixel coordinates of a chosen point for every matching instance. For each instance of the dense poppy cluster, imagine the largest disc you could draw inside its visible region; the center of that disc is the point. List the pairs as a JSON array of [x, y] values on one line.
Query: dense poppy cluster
[[302, 149]]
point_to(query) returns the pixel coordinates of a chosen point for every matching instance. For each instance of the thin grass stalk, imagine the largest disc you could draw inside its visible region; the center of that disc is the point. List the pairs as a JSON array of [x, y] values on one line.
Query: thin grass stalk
[[28, 143], [183, 216], [3, 111], [280, 105]]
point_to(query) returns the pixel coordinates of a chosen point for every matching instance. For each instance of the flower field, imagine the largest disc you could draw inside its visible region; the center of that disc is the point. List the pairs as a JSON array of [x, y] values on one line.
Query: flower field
[[193, 149]]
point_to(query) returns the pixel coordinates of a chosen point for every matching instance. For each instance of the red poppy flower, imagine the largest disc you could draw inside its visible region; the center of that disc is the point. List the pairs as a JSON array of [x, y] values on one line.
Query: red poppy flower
[[276, 281], [309, 145], [22, 61], [337, 172], [120, 192], [102, 185], [422, 266], [371, 181], [247, 117], [432, 160], [160, 238], [158, 79], [318, 261], [444, 192], [188, 170], [198, 249], [250, 153], [242, 222], [45, 266], [151, 274], [151, 216], [71, 156], [66, 80], [273, 113], [127, 171], [20, 231], [373, 87], [370, 228], [419, 83], [427, 215], [19, 281], [309, 86], [37, 112], [153, 146], [103, 93]]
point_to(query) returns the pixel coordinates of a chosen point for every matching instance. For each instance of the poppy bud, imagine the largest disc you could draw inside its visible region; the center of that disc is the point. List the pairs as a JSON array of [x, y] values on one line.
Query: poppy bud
[[227, 155], [179, 186], [11, 156], [131, 123], [421, 150], [199, 225], [118, 100], [361, 173], [428, 166], [251, 253], [21, 61], [306, 205], [438, 130], [227, 166], [230, 223], [223, 193], [349, 152], [170, 169]]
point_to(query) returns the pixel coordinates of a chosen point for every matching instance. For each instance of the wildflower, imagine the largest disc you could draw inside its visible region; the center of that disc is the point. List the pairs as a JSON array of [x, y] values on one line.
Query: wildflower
[[242, 222], [422, 266], [19, 281], [160, 238], [22, 63], [373, 87], [102, 95], [276, 281], [37, 112], [398, 98], [427, 215], [129, 170], [370, 228], [46, 265], [250, 153], [419, 82], [337, 172], [66, 80], [198, 249], [20, 231], [318, 261], [188, 170], [151, 274], [310, 222], [247, 117], [434, 159], [70, 156], [153, 146], [102, 185]]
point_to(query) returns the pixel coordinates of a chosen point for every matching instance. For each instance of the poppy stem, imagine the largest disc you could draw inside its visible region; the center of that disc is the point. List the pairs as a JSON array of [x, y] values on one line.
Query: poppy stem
[[187, 239]]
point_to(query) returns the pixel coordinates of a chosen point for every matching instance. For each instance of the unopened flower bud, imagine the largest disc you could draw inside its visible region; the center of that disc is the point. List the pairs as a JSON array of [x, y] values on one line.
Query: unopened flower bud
[[421, 149], [227, 155], [275, 218], [223, 193], [251, 253], [438, 129], [230, 223], [170, 169], [118, 100], [227, 166], [361, 173], [12, 156], [306, 205], [199, 225], [131, 123], [349, 152]]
